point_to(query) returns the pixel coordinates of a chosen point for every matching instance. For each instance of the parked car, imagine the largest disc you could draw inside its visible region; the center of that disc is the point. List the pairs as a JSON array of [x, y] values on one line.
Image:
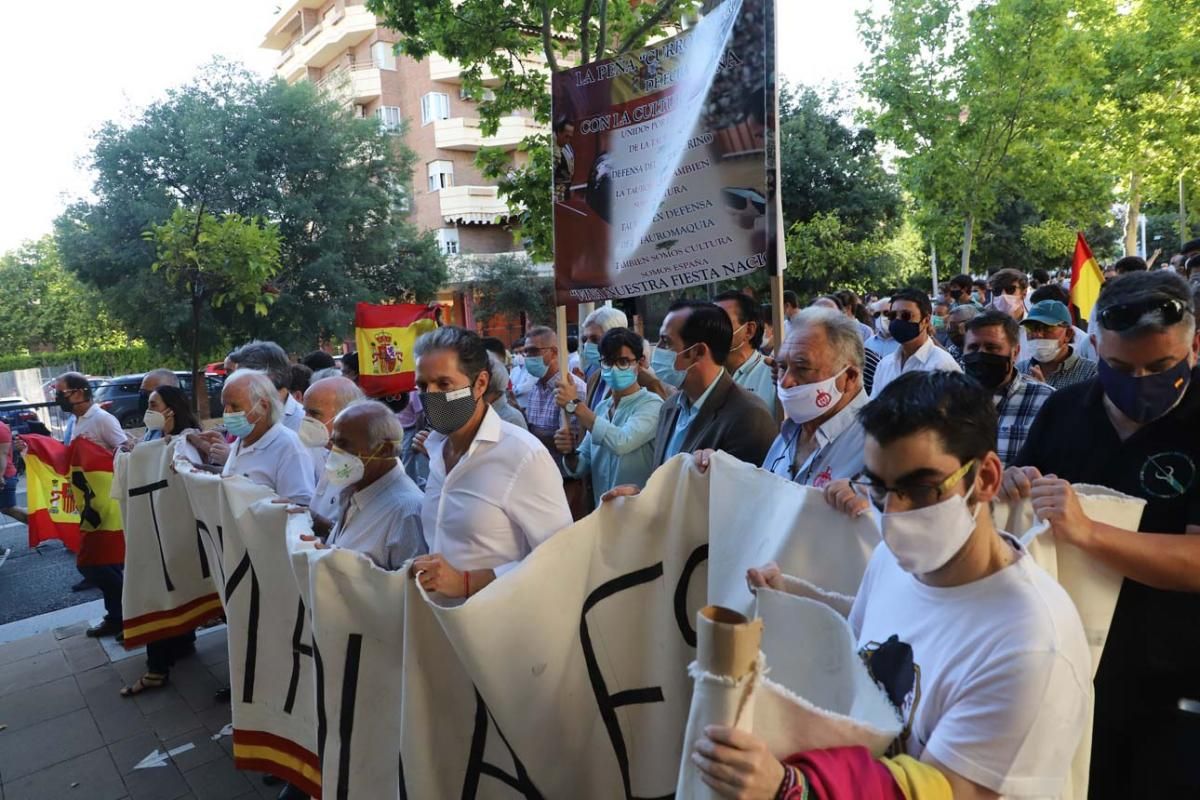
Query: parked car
[[120, 396], [17, 413]]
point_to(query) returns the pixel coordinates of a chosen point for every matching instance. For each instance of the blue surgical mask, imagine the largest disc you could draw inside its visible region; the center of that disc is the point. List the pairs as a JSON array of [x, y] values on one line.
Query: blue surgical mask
[[536, 366], [237, 424], [663, 363], [619, 379], [590, 355], [1147, 398]]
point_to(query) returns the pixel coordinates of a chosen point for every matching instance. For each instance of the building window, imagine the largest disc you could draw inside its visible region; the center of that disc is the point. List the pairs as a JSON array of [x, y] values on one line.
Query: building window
[[383, 56], [486, 96], [389, 118], [447, 239], [434, 105], [441, 175]]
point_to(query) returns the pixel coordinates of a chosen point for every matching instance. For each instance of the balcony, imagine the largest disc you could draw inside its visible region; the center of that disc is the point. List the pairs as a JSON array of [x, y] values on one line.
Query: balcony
[[463, 133], [473, 205], [358, 83], [321, 44], [448, 70]]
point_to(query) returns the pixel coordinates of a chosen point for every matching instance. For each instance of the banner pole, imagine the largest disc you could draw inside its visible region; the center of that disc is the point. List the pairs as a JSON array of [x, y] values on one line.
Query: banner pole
[[780, 231], [563, 356]]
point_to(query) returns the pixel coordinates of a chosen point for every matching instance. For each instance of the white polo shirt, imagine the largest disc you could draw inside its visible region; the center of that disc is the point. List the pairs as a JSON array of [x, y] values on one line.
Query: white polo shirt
[[293, 414], [279, 461], [99, 426], [503, 498], [383, 521], [928, 358]]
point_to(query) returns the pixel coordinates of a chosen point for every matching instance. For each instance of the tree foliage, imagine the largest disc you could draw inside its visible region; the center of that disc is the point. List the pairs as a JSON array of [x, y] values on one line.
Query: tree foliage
[[230, 143], [824, 254], [507, 286]]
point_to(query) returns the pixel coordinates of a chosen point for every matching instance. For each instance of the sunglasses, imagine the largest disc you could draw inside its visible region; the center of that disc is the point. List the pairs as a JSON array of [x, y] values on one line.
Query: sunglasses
[[1124, 316]]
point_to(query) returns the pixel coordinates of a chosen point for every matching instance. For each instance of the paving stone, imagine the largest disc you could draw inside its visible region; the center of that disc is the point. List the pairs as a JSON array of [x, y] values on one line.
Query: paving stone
[[40, 703], [90, 679], [94, 772], [84, 654], [24, 648], [217, 780], [220, 671], [158, 699], [195, 684], [130, 669], [172, 721], [33, 671], [38, 746], [212, 649], [71, 631], [117, 717], [156, 783], [128, 752], [215, 718], [205, 749]]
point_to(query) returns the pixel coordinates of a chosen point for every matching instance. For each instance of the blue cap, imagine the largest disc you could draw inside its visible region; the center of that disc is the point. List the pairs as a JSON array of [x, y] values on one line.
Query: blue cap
[[1048, 312]]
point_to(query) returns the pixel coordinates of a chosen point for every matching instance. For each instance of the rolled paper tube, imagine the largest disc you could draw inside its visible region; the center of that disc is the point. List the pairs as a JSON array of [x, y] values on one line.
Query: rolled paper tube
[[726, 642]]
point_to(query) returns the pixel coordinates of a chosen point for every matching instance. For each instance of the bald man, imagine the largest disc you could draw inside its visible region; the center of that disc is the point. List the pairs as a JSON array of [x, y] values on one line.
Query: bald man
[[323, 401]]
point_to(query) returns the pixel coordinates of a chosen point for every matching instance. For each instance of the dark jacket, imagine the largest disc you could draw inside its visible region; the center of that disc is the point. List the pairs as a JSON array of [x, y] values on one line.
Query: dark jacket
[[731, 419]]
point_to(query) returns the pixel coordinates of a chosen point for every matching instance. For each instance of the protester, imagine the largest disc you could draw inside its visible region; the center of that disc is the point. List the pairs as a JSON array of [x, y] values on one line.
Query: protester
[[1053, 359], [1134, 428], [881, 342], [169, 414], [271, 359], [960, 288], [318, 360], [382, 514], [519, 377], [598, 323], [494, 493], [497, 394], [1080, 341], [327, 372], [301, 378], [992, 349], [1009, 287], [323, 401], [980, 650], [8, 496], [909, 324], [956, 328], [748, 367], [981, 293], [710, 412], [151, 381], [791, 307], [1038, 278], [350, 366], [619, 445], [543, 414], [266, 452], [853, 308]]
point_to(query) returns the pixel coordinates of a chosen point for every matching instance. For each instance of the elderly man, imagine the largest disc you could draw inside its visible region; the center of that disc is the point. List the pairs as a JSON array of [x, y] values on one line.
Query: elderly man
[[271, 359], [956, 328], [382, 515], [992, 348], [1134, 428], [881, 342], [910, 324], [323, 401], [542, 412], [1078, 338], [494, 493], [151, 381], [497, 394], [748, 368], [265, 452], [1049, 336]]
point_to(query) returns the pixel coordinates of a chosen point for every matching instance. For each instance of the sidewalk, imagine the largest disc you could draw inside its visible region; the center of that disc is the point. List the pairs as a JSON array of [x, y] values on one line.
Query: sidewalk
[[68, 734]]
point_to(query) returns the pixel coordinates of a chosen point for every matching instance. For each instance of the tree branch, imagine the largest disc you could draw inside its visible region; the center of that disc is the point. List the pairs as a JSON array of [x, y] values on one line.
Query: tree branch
[[664, 7], [585, 21], [548, 37], [600, 48]]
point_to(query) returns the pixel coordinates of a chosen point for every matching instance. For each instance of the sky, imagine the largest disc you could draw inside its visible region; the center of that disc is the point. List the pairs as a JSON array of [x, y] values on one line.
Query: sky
[[71, 65]]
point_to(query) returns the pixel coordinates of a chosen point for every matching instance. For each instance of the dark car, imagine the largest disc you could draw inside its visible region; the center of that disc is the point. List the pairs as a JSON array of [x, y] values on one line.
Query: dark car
[[120, 396], [20, 416]]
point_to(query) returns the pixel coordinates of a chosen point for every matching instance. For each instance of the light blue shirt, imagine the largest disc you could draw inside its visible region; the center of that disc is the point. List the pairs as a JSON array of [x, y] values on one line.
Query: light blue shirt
[[755, 377], [620, 450], [687, 412]]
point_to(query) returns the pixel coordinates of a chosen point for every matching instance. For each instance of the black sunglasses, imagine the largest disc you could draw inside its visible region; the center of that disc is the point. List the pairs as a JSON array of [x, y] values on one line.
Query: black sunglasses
[[1124, 316]]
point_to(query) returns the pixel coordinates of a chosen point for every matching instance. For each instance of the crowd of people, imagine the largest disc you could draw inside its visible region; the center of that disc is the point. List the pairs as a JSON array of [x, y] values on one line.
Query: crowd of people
[[917, 410]]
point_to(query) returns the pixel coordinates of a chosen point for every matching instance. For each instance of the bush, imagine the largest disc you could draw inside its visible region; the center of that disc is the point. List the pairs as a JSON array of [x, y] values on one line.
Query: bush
[[97, 360]]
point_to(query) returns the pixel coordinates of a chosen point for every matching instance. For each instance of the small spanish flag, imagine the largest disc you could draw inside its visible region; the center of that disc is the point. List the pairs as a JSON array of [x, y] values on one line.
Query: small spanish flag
[[1086, 278], [70, 499], [384, 337]]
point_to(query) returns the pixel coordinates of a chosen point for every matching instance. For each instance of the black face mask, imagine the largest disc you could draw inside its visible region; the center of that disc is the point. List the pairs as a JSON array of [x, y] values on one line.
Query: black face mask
[[63, 400], [990, 369]]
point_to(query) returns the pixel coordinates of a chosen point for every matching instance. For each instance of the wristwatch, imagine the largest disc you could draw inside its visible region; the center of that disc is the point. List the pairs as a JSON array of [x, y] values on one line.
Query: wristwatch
[[571, 406]]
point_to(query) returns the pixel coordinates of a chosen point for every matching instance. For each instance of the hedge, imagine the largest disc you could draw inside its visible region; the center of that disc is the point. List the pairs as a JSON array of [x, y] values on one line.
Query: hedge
[[97, 360]]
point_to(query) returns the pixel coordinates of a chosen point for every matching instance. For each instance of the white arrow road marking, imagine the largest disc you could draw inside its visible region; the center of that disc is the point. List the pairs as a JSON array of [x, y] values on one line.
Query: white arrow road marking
[[226, 731], [159, 758]]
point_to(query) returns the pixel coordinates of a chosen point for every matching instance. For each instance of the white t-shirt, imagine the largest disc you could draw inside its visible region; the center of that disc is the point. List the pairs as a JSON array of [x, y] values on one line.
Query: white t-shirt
[[278, 461], [1002, 671], [928, 358]]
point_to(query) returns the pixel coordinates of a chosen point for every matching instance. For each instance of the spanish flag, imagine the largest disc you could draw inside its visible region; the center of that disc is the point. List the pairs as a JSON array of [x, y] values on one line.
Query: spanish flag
[[384, 337], [1086, 278], [69, 499]]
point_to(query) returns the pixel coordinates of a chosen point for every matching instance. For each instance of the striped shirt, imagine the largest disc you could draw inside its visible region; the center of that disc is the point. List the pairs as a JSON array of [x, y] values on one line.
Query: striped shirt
[[1017, 407], [1074, 369]]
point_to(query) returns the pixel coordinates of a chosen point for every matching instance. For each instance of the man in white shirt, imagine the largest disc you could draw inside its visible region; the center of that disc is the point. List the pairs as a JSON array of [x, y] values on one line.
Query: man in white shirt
[[323, 401], [266, 452], [748, 367], [382, 516], [272, 359], [909, 323], [497, 393], [980, 650], [493, 493]]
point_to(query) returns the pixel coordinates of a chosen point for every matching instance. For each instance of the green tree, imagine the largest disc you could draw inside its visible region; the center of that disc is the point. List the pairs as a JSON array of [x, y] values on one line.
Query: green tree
[[520, 43], [824, 254], [508, 286], [46, 307], [231, 143], [216, 261]]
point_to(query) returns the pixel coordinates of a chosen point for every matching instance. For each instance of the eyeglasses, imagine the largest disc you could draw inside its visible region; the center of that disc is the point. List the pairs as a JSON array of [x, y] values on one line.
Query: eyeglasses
[[1038, 329], [907, 316], [537, 351], [1011, 289], [620, 363], [1124, 316], [918, 495]]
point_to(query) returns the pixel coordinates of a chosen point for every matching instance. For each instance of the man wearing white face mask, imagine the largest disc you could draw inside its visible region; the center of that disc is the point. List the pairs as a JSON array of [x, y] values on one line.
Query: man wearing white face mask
[[980, 650], [1048, 335], [323, 401]]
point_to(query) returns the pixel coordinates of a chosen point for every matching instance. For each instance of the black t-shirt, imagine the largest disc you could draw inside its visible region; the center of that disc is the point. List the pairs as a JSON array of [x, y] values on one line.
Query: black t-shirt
[[1155, 633]]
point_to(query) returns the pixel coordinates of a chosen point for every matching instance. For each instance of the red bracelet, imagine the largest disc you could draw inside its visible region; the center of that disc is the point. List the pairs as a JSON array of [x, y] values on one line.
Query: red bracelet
[[467, 581]]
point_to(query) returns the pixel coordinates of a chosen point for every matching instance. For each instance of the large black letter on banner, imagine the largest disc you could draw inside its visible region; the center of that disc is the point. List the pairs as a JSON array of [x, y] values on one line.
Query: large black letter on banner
[[149, 489], [609, 703], [477, 767], [299, 648], [235, 580], [698, 557], [218, 547]]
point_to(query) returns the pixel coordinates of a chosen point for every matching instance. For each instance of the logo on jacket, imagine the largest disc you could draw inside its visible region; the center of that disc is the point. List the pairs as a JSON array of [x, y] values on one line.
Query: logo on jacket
[[1168, 475], [824, 479]]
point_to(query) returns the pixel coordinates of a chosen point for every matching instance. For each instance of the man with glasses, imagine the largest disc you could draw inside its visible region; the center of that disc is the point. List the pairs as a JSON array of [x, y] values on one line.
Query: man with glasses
[[1134, 428], [1049, 336], [981, 652], [619, 445], [1008, 292], [909, 324]]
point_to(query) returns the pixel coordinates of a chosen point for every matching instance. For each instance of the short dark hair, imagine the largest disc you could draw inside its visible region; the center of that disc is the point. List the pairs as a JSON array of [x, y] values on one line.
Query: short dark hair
[[350, 361], [562, 121], [466, 344], [789, 299], [572, 344], [1140, 287], [964, 282], [174, 398], [1129, 264], [952, 405], [679, 305], [1041, 276], [301, 378], [616, 338], [708, 324], [318, 360], [494, 345], [1004, 278], [993, 318], [76, 380], [748, 311], [1051, 291], [915, 296], [1191, 247]]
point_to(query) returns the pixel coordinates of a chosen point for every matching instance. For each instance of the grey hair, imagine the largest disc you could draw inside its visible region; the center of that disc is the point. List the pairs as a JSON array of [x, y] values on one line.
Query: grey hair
[[466, 344], [345, 391], [964, 313], [382, 425], [261, 388], [540, 330], [498, 375], [841, 331], [266, 357], [328, 372], [607, 318], [164, 376]]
